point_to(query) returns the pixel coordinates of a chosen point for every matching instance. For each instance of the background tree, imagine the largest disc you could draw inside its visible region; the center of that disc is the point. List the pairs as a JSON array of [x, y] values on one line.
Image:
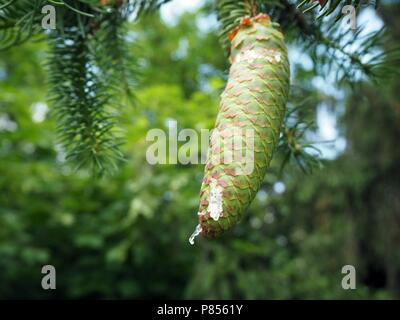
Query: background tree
[[104, 236]]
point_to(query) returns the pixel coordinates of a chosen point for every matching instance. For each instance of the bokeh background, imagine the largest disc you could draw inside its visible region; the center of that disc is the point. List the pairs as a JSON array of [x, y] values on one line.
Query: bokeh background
[[126, 235]]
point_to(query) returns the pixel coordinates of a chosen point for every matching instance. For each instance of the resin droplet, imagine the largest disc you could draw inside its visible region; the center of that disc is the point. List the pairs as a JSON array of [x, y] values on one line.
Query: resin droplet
[[196, 232], [215, 201]]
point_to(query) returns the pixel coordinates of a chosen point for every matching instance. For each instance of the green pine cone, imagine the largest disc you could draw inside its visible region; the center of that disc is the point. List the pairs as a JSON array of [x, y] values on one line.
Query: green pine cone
[[253, 103]]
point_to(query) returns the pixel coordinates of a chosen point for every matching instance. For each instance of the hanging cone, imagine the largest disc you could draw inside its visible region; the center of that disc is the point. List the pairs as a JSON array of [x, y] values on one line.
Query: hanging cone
[[248, 125]]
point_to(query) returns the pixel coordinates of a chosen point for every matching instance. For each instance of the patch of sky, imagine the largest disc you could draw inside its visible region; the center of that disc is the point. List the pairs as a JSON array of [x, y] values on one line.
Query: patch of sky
[[39, 111], [171, 11], [182, 50]]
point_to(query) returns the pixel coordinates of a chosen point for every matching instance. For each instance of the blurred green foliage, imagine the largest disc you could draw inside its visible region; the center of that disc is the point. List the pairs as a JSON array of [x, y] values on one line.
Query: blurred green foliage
[[126, 236]]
